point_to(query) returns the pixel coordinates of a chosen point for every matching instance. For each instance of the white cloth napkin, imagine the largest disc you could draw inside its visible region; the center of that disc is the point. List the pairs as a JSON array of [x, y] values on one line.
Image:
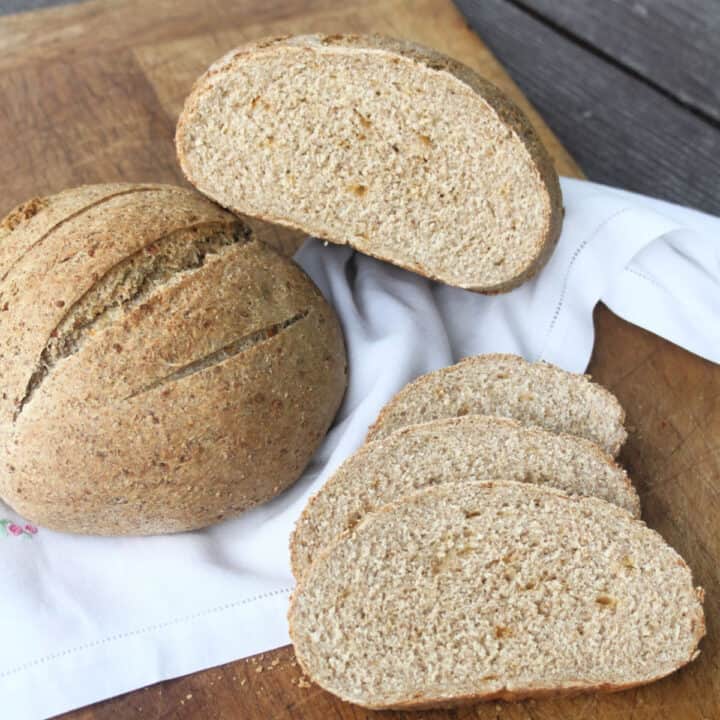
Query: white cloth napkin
[[85, 618]]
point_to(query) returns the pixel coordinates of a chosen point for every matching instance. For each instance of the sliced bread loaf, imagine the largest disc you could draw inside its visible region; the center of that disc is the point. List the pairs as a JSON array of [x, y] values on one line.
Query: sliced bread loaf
[[463, 449], [392, 148], [508, 386], [478, 591]]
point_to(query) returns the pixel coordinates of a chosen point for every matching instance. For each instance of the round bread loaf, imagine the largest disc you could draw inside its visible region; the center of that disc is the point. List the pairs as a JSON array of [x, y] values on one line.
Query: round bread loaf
[[161, 368]]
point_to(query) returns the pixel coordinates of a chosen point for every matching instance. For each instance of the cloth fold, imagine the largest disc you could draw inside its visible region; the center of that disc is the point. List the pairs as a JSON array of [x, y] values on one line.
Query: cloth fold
[[85, 618]]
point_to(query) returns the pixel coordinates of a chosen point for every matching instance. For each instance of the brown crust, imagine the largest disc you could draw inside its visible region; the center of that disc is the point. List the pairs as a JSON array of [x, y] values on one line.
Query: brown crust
[[429, 377], [145, 427], [60, 253], [569, 689], [33, 221], [496, 100], [22, 213], [513, 696]]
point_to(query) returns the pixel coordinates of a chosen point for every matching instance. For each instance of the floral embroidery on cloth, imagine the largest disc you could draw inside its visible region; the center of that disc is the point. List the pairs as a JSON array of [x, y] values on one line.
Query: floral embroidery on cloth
[[16, 530]]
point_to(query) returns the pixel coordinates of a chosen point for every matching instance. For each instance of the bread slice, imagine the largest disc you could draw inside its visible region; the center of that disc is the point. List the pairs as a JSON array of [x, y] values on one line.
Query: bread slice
[[453, 450], [478, 591], [384, 145], [506, 385]]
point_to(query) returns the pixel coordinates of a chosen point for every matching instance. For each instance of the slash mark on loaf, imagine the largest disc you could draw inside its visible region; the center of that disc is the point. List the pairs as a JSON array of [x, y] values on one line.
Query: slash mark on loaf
[[218, 356], [77, 213], [128, 284]]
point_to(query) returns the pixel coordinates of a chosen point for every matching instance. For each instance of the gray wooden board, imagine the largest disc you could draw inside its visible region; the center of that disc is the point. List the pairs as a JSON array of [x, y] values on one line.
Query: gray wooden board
[[674, 44], [619, 129], [14, 6]]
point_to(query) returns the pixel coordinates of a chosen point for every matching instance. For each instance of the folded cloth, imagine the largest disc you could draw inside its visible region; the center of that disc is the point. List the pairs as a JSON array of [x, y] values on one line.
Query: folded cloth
[[85, 618]]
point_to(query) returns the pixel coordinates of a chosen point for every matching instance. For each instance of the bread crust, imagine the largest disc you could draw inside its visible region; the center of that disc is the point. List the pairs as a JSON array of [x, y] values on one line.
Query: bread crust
[[431, 377], [201, 396], [299, 564], [497, 102]]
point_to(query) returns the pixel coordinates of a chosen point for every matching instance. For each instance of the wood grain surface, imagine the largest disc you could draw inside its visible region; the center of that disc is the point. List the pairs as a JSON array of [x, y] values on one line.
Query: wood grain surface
[[632, 89], [91, 92], [604, 91], [673, 45]]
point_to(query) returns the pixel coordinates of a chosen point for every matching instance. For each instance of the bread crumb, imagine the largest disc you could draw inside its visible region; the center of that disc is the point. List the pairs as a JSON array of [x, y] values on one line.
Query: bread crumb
[[188, 696], [303, 682], [259, 669]]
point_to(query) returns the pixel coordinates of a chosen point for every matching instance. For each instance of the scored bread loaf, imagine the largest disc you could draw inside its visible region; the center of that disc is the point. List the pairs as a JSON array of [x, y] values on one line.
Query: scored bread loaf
[[463, 449], [160, 368], [389, 147], [478, 591], [508, 386]]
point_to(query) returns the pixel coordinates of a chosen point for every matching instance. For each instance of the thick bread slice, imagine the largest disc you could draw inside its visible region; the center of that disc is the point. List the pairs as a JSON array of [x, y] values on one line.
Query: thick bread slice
[[506, 385], [478, 591], [453, 450], [384, 145]]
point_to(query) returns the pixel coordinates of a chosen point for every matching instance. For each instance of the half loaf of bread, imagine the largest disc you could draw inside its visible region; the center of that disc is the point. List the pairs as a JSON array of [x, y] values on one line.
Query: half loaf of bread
[[508, 386], [477, 591], [160, 369], [464, 449], [383, 145]]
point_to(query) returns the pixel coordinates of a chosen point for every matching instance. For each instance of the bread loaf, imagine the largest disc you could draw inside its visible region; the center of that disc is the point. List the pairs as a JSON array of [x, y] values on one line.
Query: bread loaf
[[477, 591], [453, 450], [389, 147], [161, 369], [506, 385]]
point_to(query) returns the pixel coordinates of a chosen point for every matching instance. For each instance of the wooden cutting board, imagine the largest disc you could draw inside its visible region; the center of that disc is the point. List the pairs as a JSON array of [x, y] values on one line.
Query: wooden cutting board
[[91, 92]]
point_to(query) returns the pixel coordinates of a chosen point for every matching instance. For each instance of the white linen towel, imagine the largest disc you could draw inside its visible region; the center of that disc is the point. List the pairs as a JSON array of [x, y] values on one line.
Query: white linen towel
[[85, 618]]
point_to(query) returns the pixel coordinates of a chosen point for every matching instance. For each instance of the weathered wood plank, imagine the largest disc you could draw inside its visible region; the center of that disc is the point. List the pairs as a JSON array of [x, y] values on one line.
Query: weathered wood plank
[[620, 130], [16, 6], [111, 130], [94, 26], [675, 44]]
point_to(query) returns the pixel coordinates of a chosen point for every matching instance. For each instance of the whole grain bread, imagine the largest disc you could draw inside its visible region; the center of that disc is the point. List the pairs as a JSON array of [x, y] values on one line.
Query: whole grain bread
[[479, 591], [161, 368], [389, 147], [464, 449], [537, 394]]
